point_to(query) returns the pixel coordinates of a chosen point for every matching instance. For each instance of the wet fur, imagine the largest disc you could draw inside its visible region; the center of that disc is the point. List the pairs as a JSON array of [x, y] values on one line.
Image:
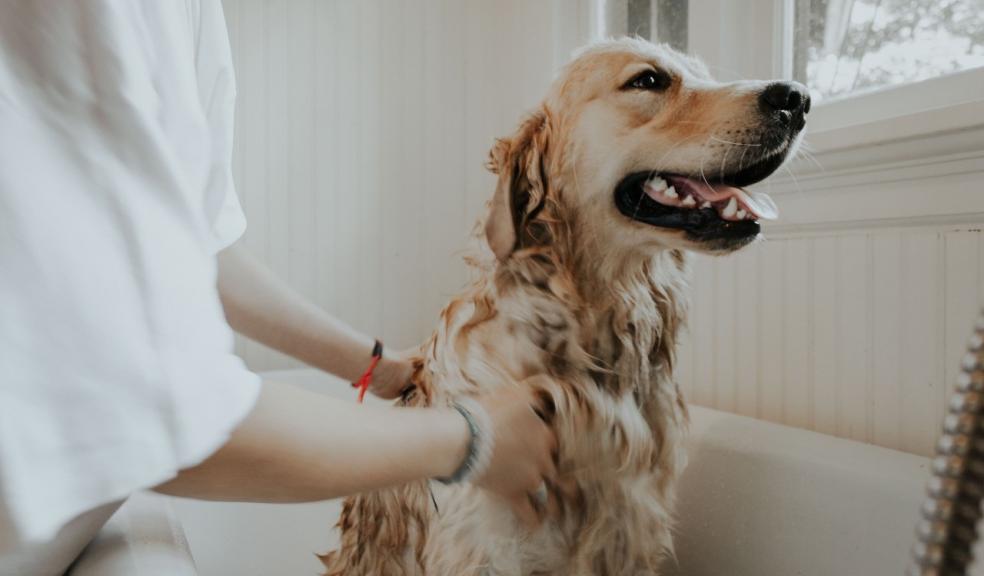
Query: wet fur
[[607, 367], [582, 305]]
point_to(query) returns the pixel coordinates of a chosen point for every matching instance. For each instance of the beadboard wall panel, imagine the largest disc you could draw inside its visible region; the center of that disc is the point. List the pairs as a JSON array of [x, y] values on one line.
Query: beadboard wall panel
[[362, 129], [852, 333]]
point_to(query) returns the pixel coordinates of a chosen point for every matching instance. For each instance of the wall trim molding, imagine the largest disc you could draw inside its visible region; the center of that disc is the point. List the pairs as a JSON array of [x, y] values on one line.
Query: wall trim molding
[[930, 149], [935, 179], [886, 172]]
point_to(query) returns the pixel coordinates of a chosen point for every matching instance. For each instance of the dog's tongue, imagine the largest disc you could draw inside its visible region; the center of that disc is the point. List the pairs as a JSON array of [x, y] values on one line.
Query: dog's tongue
[[758, 203]]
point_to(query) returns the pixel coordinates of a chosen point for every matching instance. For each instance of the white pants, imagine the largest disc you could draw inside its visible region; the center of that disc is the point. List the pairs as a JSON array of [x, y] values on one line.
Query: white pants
[[55, 557]]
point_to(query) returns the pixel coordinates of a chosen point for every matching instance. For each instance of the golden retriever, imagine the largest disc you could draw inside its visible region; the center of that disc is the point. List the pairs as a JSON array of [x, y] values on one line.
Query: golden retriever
[[635, 156]]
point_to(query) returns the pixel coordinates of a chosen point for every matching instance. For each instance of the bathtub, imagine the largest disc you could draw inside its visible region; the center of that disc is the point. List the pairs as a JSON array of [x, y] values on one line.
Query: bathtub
[[767, 500], [757, 499]]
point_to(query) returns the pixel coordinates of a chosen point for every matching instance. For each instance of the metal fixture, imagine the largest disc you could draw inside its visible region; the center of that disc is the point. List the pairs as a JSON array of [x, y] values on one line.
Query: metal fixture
[[947, 531]]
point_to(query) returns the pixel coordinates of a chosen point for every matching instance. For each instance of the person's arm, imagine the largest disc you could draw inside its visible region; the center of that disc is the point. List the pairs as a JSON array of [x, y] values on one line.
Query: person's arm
[[260, 306], [298, 446]]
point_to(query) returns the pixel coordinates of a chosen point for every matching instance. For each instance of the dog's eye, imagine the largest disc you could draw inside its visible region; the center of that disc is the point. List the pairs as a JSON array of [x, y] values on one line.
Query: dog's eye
[[649, 80]]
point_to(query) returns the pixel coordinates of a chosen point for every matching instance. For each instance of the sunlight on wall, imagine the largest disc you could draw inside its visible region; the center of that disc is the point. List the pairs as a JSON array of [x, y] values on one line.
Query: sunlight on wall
[[362, 131]]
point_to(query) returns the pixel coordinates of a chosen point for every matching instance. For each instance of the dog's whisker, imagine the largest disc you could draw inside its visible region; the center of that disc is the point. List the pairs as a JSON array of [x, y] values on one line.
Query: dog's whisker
[[724, 161], [702, 175], [716, 139], [799, 190], [811, 157], [694, 122], [674, 149], [638, 206]]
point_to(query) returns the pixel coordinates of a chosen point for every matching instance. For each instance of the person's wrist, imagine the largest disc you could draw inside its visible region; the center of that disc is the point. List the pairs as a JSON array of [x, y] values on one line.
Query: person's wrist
[[390, 370], [392, 375]]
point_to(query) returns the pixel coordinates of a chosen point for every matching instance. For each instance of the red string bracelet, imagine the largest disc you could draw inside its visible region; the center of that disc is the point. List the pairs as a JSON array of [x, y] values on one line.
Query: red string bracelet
[[363, 382]]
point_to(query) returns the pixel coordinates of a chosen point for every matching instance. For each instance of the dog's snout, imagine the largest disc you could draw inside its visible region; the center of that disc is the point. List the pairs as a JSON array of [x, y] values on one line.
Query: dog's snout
[[788, 102]]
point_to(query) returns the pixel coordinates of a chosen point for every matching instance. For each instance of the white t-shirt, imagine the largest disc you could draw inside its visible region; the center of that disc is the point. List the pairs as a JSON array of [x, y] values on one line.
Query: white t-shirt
[[116, 363]]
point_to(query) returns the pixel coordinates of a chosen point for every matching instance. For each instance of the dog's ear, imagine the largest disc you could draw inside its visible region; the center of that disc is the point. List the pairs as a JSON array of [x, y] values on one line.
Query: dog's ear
[[520, 162]]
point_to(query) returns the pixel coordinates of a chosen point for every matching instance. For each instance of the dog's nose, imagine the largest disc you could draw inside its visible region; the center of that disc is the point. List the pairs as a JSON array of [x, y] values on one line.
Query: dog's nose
[[790, 101], [789, 96]]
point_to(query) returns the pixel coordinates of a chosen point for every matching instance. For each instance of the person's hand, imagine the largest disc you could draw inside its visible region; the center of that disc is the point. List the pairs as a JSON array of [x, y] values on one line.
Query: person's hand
[[523, 454], [392, 375]]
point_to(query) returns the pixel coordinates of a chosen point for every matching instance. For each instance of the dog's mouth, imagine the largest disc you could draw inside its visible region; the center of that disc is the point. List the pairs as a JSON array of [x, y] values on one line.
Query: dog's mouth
[[704, 209]]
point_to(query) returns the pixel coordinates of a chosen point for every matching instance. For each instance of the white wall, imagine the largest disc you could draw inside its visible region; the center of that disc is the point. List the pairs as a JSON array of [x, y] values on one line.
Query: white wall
[[362, 130]]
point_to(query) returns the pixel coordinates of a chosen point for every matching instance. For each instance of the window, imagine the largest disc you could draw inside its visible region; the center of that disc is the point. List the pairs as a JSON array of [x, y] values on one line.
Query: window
[[902, 69], [657, 20], [845, 47]]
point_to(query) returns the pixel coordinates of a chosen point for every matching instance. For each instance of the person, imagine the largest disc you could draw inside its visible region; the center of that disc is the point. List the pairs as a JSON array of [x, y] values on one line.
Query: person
[[120, 276]]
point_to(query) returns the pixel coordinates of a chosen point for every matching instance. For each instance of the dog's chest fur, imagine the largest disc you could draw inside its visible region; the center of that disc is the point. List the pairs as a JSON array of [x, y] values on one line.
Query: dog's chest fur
[[604, 358]]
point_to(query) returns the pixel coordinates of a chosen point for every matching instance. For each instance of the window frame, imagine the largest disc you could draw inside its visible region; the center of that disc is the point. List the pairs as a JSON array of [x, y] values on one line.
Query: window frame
[[918, 109], [909, 110]]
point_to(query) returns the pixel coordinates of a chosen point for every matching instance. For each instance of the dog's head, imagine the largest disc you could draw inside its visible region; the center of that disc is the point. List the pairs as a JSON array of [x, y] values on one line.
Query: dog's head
[[639, 147]]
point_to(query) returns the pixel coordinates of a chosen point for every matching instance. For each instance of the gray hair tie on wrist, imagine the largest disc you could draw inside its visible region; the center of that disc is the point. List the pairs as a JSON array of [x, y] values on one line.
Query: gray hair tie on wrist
[[480, 443]]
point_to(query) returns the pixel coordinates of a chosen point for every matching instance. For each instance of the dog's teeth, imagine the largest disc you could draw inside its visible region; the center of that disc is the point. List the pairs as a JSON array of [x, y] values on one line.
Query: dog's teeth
[[731, 209], [671, 192], [689, 201], [741, 214], [706, 204], [657, 184]]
